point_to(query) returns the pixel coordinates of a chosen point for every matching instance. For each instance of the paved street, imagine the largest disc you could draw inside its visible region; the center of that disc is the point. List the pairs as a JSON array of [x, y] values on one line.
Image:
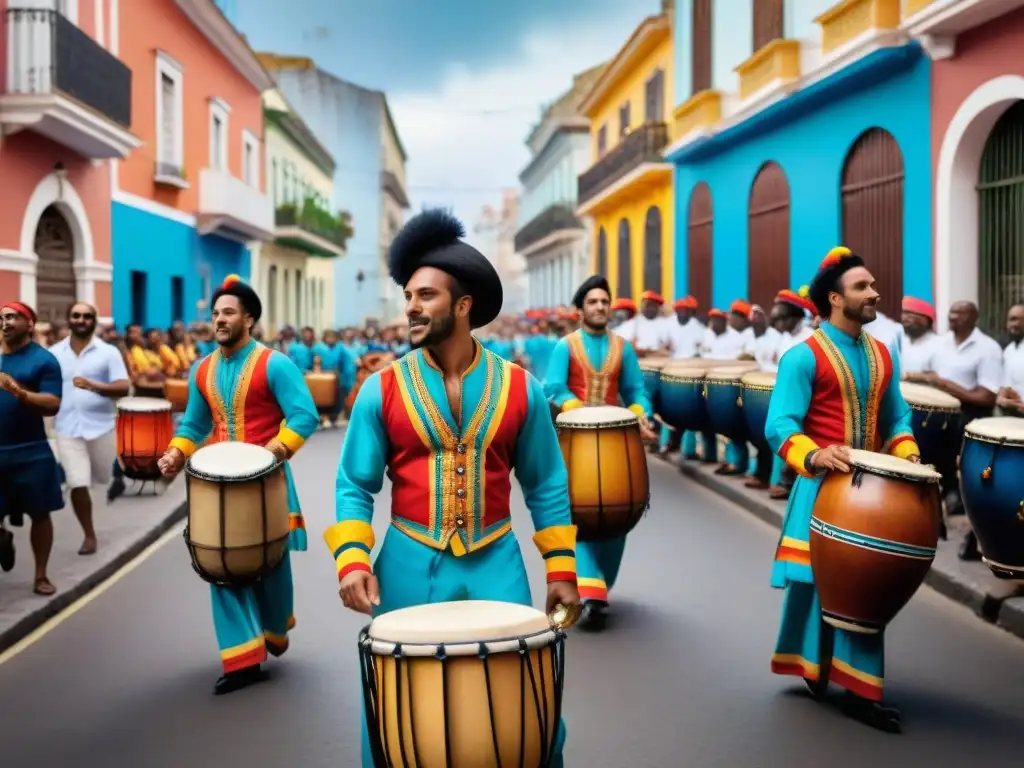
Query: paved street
[[680, 679]]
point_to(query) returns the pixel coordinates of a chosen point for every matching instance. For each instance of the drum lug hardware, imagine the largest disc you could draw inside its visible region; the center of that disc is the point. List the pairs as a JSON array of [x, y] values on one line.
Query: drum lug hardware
[[441, 654], [986, 473], [522, 646], [397, 653], [739, 401], [482, 652]]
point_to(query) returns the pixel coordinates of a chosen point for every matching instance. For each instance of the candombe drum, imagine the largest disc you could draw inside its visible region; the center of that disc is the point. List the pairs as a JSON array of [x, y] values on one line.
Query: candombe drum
[[324, 389], [757, 395], [936, 418], [651, 369], [723, 392], [468, 684], [992, 488], [144, 429], [609, 488], [874, 532], [681, 394], [368, 365], [238, 524], [176, 391]]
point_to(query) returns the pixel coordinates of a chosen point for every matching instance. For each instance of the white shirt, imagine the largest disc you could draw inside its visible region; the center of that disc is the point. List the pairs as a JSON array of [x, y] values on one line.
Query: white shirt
[[887, 331], [727, 346], [647, 335], [801, 333], [685, 339], [978, 362], [85, 414], [918, 355], [1013, 367], [766, 349]]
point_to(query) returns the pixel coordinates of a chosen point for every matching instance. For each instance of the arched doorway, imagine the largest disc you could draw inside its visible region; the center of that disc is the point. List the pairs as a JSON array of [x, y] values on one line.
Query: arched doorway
[[624, 288], [602, 253], [872, 211], [652, 250], [768, 235], [1000, 213], [55, 272], [699, 246]]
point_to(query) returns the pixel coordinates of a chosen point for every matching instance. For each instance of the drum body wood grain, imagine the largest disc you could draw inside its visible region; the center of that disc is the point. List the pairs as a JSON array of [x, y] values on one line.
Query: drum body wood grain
[[490, 696], [874, 532], [324, 389], [609, 487], [144, 430], [238, 524], [177, 394]]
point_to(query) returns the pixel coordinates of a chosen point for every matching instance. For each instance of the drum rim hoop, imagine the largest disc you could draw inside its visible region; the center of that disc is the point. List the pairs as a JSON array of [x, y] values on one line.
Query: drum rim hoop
[[604, 425], [544, 638], [192, 472], [717, 380], [165, 406], [895, 475], [757, 387], [950, 410], [674, 379], [1009, 442]]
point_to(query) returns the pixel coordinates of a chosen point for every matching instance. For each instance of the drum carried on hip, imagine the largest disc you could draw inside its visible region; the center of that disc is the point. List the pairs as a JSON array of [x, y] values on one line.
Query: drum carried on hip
[[936, 418], [874, 532], [609, 488], [144, 430], [324, 389], [757, 395], [723, 390], [469, 684], [992, 489], [238, 524], [177, 393]]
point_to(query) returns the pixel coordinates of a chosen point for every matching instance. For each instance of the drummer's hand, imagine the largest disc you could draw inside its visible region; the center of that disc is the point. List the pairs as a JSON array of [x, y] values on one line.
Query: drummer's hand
[[360, 591], [279, 449], [647, 430], [81, 382], [8, 384], [561, 593], [914, 459], [171, 462], [834, 457]]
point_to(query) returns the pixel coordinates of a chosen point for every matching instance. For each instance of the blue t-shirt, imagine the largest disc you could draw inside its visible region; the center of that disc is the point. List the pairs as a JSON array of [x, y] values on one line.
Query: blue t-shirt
[[36, 370]]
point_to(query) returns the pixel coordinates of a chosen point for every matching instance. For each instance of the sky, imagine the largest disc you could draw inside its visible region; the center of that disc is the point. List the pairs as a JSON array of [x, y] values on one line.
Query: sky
[[466, 79]]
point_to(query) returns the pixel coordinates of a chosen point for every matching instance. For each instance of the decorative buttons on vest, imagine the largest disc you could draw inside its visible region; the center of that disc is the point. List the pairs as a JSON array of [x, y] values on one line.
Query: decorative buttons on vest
[[460, 470], [461, 448], [460, 521], [461, 493]]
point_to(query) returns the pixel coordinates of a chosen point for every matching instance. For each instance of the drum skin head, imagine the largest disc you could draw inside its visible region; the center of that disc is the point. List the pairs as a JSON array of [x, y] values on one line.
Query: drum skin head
[[883, 463], [143, 404], [764, 379], [462, 621], [595, 416], [923, 396], [232, 460], [1003, 429]]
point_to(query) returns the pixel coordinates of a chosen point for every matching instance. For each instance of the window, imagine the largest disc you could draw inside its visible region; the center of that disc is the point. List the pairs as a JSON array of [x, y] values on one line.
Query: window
[[768, 22], [654, 98], [623, 120], [170, 143], [139, 298], [219, 111], [250, 159], [602, 140], [701, 53], [177, 299]]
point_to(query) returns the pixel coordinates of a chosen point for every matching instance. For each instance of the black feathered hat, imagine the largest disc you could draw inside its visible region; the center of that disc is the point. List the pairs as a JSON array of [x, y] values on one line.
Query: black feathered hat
[[592, 282], [233, 286], [836, 263], [434, 239]]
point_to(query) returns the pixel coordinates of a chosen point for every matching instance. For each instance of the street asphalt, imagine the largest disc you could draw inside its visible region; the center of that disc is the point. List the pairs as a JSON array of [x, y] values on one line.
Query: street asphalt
[[679, 678]]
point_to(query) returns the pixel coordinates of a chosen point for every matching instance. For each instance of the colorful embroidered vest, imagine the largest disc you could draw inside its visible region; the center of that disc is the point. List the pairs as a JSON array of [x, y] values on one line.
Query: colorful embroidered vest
[[591, 386], [450, 489], [835, 415], [248, 415]]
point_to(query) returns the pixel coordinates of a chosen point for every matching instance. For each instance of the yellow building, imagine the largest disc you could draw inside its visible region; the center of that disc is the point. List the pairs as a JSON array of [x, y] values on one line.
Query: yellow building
[[627, 190], [295, 273]]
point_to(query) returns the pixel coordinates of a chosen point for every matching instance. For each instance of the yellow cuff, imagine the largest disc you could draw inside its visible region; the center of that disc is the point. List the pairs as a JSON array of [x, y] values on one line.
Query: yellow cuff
[[290, 439], [638, 410], [904, 446], [350, 542], [184, 445], [795, 451], [571, 405], [557, 545]]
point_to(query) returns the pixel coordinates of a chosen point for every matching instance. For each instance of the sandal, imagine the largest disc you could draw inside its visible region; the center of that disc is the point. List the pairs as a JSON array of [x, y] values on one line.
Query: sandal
[[44, 587]]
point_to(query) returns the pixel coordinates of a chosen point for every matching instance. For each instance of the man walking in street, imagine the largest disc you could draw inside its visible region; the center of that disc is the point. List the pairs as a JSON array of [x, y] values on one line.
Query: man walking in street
[[94, 375], [30, 389]]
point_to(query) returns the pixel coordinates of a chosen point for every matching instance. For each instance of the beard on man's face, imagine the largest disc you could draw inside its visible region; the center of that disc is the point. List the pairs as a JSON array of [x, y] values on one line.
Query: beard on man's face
[[864, 312], [439, 329], [82, 329]]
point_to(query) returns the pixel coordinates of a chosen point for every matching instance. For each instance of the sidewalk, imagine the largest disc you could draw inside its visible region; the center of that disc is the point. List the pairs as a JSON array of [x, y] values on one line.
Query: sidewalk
[[124, 529], [969, 583]]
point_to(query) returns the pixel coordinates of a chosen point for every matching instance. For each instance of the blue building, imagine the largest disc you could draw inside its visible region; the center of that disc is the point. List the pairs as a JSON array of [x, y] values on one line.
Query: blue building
[[356, 127], [799, 135]]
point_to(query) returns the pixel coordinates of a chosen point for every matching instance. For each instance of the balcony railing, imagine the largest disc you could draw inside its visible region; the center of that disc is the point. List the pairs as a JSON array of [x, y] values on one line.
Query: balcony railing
[[644, 145], [554, 218], [389, 183], [47, 54], [232, 208], [337, 233]]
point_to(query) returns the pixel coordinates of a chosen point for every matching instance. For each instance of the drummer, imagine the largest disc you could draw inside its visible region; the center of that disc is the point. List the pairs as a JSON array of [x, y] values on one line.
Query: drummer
[[407, 423], [728, 337], [623, 311], [648, 330], [248, 393], [803, 428], [594, 367], [918, 344], [685, 333], [1010, 400], [335, 358]]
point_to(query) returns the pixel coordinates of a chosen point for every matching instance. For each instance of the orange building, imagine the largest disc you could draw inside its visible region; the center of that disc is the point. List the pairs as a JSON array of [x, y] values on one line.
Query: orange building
[[189, 201], [65, 111]]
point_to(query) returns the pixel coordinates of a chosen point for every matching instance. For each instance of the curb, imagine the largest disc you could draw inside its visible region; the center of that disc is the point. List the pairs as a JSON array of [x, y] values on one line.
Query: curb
[[62, 600], [969, 584]]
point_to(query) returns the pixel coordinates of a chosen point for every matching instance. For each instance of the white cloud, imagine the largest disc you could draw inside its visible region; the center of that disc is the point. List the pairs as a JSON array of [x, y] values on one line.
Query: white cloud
[[465, 140]]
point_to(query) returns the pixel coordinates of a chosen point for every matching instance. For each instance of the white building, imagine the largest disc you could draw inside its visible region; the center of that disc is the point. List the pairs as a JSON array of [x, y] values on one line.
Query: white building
[[494, 235], [551, 240]]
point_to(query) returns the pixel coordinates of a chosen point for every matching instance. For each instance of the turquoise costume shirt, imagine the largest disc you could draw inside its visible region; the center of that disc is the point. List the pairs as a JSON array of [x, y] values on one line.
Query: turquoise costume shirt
[[337, 359], [632, 391]]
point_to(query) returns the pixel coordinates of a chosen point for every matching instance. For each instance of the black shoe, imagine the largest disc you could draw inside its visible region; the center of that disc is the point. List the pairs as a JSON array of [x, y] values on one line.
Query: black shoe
[[818, 688], [886, 719], [236, 681], [116, 489], [969, 547], [6, 550], [593, 618]]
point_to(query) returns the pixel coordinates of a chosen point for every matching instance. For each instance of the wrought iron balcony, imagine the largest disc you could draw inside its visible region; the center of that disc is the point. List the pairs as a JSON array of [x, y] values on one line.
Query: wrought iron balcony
[[63, 84], [391, 185], [644, 145], [554, 218]]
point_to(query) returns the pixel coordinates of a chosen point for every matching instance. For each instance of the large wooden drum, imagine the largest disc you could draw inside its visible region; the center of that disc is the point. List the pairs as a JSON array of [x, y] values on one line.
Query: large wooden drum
[[144, 429], [936, 419], [992, 487], [324, 389], [471, 684], [238, 523], [651, 369], [723, 391], [177, 394], [609, 488], [681, 395], [874, 532], [757, 396]]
